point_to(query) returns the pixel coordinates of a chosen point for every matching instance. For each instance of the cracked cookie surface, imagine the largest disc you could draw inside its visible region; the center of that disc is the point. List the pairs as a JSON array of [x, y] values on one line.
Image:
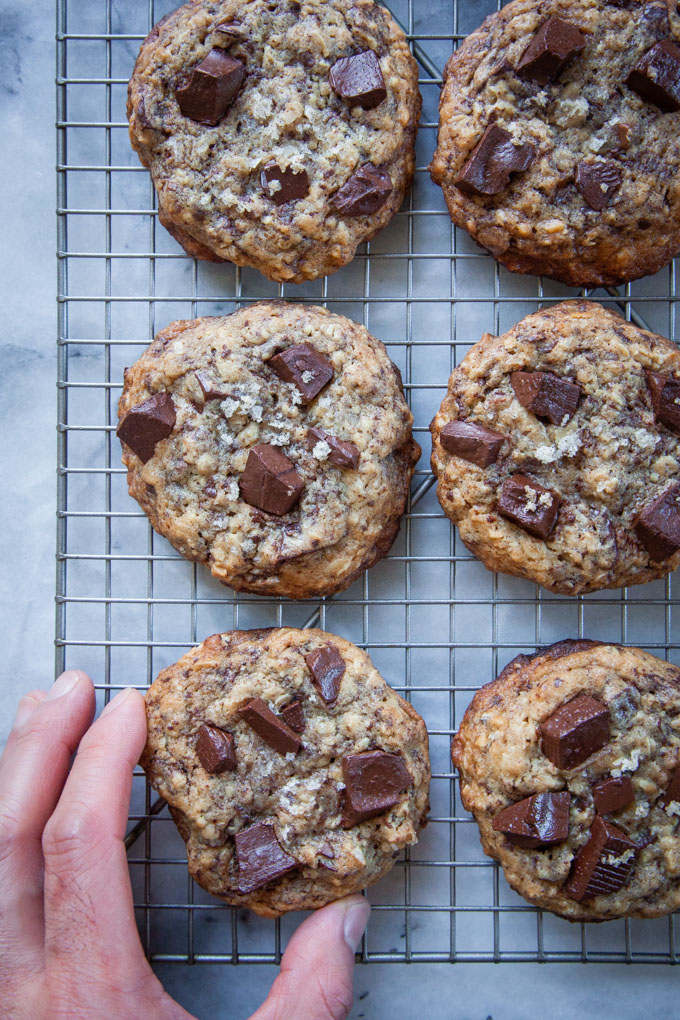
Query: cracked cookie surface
[[584, 120], [208, 179], [501, 761], [301, 794], [346, 517], [604, 463]]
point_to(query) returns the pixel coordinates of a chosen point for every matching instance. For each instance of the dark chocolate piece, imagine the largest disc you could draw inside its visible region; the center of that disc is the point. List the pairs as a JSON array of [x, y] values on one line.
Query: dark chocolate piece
[[373, 782], [146, 424], [270, 481], [308, 369], [472, 442], [598, 181], [260, 856], [343, 452], [488, 168], [656, 76], [537, 821], [672, 791], [231, 31], [327, 667], [664, 391], [326, 850], [575, 731], [364, 192], [209, 389], [528, 504], [294, 184], [211, 88], [270, 727], [359, 79], [613, 794], [554, 45], [658, 526], [546, 395], [215, 750], [604, 864], [293, 716]]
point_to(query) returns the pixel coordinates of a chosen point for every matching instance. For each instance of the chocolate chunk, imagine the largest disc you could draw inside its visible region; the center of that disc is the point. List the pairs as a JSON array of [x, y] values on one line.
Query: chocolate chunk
[[575, 731], [359, 79], [261, 858], [487, 170], [598, 181], [215, 750], [293, 184], [656, 76], [373, 782], [326, 850], [664, 391], [364, 192], [267, 725], [209, 389], [211, 88], [307, 368], [537, 821], [146, 424], [327, 667], [270, 481], [528, 504], [604, 864], [613, 794], [231, 31], [473, 443], [658, 526], [554, 45], [672, 791], [343, 452], [546, 395], [293, 716]]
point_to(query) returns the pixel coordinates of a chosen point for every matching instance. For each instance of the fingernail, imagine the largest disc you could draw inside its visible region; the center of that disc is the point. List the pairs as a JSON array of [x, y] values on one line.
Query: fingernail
[[64, 684], [116, 702], [27, 707], [354, 924]]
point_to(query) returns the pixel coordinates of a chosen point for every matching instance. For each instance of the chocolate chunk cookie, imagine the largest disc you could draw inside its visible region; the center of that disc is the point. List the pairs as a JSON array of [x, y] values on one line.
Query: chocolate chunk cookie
[[279, 136], [279, 813], [559, 138], [557, 450], [274, 445], [570, 763]]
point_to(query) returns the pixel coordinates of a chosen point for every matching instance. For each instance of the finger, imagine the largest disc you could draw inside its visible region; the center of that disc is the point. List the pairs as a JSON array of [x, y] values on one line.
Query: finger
[[27, 706], [317, 969], [33, 769], [88, 899]]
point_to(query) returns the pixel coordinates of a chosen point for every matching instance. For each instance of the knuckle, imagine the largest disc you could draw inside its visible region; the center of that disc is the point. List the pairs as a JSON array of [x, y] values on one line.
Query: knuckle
[[70, 838], [337, 998]]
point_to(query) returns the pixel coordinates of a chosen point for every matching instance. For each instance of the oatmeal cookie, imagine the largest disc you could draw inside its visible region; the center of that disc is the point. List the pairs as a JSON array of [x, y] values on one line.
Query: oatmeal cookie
[[294, 773], [279, 136], [570, 763], [273, 445], [559, 138], [557, 450]]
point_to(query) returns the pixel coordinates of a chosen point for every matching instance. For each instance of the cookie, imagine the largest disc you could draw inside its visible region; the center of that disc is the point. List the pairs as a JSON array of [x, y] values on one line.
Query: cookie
[[557, 450], [570, 763], [294, 773], [274, 445], [279, 136], [559, 138]]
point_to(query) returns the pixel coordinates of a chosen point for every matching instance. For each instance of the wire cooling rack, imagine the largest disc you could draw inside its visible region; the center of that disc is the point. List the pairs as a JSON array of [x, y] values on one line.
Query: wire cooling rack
[[435, 622]]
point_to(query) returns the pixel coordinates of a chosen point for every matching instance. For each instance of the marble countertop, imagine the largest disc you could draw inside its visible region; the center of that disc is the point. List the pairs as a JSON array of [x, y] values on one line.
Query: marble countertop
[[27, 537]]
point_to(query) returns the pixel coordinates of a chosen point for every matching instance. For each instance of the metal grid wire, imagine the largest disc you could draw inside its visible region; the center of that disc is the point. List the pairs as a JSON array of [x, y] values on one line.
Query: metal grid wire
[[435, 622]]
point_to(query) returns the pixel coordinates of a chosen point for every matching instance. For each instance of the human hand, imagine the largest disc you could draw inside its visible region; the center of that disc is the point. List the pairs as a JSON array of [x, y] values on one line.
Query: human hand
[[68, 941]]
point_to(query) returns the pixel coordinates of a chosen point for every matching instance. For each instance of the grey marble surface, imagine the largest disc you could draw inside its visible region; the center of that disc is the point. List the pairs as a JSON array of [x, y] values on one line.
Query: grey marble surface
[[27, 537]]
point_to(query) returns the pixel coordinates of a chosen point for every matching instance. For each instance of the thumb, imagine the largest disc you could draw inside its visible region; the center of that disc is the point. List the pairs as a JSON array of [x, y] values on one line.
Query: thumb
[[315, 982]]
